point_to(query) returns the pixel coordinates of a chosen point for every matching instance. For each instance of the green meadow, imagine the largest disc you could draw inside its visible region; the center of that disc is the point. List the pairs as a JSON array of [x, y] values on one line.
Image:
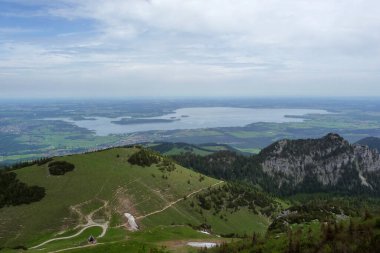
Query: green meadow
[[104, 185]]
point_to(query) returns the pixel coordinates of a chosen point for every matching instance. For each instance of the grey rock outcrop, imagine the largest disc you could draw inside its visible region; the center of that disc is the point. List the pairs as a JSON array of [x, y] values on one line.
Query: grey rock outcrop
[[328, 161]]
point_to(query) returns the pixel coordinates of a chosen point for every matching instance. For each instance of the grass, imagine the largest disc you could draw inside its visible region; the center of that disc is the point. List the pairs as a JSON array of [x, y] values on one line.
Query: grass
[[250, 150], [215, 147], [80, 240], [314, 237], [177, 151], [173, 238], [102, 176]]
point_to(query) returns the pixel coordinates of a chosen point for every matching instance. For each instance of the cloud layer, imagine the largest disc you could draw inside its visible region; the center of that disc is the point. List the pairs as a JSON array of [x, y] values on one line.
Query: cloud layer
[[193, 47]]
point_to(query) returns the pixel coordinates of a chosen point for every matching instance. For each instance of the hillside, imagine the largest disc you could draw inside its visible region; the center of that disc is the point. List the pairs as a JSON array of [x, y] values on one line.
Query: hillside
[[371, 142], [94, 197], [133, 199], [327, 164], [169, 148]]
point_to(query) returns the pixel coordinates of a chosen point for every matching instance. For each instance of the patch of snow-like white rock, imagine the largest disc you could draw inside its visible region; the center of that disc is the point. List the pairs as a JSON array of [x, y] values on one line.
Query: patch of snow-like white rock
[[364, 180], [132, 222], [202, 244]]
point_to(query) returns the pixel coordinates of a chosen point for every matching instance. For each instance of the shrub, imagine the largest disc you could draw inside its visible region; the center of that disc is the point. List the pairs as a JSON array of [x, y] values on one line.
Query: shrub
[[58, 168], [377, 223], [13, 192]]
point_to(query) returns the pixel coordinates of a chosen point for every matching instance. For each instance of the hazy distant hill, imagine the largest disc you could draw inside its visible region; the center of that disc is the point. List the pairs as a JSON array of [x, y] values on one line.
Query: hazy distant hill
[[169, 148], [372, 142]]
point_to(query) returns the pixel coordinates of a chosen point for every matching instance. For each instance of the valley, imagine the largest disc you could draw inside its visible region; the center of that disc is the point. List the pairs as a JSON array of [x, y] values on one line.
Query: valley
[[246, 124]]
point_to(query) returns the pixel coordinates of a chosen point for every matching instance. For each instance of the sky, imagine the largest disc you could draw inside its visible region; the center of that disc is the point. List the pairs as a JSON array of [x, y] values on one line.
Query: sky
[[160, 48]]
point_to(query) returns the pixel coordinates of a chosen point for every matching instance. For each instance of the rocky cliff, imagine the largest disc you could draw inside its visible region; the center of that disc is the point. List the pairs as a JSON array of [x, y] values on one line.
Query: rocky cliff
[[325, 163]]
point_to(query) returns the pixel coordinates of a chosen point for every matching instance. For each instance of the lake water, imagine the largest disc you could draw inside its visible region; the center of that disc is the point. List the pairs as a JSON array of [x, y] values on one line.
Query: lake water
[[196, 118]]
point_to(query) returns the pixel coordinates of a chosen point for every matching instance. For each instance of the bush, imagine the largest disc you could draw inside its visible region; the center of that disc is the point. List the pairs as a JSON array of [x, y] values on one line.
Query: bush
[[59, 168], [20, 247], [13, 192], [377, 223]]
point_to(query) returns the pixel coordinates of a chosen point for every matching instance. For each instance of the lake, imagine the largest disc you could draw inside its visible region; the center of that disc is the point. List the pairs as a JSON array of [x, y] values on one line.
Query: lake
[[193, 118]]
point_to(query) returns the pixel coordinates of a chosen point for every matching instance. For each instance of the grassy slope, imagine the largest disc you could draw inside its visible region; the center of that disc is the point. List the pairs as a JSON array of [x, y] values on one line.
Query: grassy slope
[[103, 176], [310, 238], [173, 238], [178, 148], [197, 149]]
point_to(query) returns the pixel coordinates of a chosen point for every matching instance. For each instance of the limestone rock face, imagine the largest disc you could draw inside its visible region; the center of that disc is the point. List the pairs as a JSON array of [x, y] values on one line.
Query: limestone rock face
[[327, 161]]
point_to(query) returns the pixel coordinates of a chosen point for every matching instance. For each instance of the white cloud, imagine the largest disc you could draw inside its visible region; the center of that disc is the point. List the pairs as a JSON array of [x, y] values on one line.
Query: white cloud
[[273, 46]]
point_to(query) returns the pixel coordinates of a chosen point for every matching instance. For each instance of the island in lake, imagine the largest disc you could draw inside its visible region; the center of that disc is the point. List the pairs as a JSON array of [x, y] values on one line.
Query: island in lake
[[132, 121]]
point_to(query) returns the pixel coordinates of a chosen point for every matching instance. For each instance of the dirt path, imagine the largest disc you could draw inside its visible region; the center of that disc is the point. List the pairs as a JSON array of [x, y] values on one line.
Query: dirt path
[[65, 237], [90, 223], [175, 202], [78, 247]]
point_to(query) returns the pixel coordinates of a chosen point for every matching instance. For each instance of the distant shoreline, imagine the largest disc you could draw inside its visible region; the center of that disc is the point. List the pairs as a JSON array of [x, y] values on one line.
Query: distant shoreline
[[131, 121]]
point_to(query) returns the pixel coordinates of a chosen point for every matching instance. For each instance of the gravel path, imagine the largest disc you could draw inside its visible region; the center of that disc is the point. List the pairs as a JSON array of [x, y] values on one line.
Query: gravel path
[[175, 202], [90, 223]]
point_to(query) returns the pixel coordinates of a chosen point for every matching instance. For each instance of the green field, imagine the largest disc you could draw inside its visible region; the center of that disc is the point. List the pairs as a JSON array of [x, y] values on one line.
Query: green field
[[31, 137]]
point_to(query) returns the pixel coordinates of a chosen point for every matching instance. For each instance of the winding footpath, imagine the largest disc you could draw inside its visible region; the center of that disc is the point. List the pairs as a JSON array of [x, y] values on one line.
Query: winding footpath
[[175, 202], [91, 223], [65, 237]]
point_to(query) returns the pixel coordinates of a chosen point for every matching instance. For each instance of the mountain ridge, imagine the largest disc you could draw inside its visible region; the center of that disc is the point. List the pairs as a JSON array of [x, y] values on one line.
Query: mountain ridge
[[326, 159], [287, 167]]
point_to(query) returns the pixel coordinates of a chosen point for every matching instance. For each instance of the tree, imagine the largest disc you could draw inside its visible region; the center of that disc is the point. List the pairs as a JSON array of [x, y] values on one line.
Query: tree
[[13, 192], [58, 168]]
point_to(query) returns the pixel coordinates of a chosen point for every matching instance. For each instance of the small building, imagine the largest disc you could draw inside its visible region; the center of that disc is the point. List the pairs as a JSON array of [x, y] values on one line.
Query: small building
[[91, 240]]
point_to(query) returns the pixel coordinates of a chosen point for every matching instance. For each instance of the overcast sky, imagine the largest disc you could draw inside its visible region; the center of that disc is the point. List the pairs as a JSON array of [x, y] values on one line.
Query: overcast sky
[[124, 48]]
